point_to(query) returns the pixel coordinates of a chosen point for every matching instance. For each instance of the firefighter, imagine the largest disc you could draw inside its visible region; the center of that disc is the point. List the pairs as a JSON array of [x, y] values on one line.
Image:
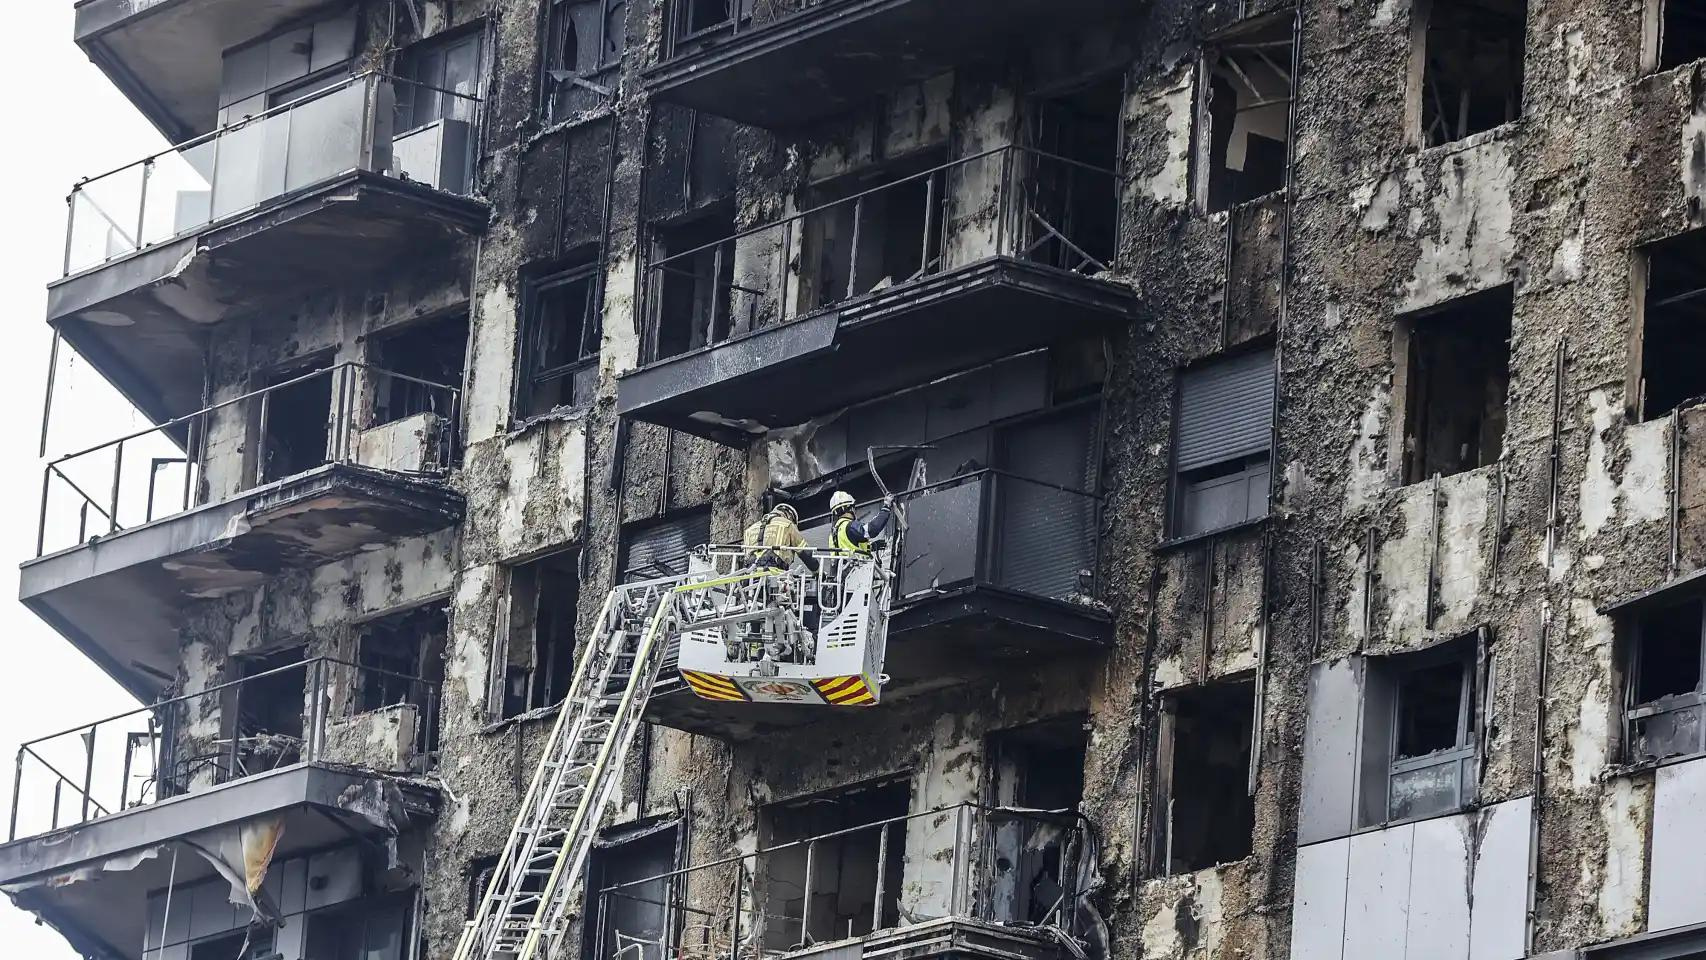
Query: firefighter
[[852, 534], [775, 540]]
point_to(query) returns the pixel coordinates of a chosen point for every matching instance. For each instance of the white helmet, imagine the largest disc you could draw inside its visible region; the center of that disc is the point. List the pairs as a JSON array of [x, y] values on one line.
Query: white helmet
[[787, 510], [841, 501]]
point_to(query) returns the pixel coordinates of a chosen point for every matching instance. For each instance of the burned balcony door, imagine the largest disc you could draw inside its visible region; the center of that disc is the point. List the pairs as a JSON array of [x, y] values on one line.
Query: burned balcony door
[[694, 276], [263, 728], [872, 230], [401, 661], [827, 889], [632, 922], [436, 105], [1035, 767], [538, 666], [434, 351], [292, 422], [1045, 527], [1071, 204]]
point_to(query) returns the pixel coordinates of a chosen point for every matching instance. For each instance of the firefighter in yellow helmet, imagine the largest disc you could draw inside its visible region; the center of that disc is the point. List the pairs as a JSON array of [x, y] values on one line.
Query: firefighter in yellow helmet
[[850, 533], [775, 540]]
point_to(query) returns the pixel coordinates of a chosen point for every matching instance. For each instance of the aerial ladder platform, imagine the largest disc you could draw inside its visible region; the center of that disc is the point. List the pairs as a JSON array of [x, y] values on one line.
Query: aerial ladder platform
[[737, 634]]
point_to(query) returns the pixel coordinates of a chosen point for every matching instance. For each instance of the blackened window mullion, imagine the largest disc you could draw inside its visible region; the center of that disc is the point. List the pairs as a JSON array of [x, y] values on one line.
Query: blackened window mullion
[[562, 341]]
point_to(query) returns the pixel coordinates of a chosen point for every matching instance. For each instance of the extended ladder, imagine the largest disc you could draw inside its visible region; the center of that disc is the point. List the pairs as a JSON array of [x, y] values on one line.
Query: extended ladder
[[525, 909]]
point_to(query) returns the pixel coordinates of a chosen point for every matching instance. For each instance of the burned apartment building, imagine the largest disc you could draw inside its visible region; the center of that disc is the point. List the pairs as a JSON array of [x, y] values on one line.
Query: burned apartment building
[[1293, 405]]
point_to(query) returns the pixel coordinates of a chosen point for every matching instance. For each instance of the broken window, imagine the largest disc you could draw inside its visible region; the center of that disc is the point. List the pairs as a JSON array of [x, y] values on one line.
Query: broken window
[[561, 341], [421, 354], [1419, 733], [1672, 307], [1072, 179], [1677, 32], [1663, 692], [845, 879], [1471, 73], [695, 272], [872, 230], [540, 661], [1035, 767], [268, 707], [295, 430], [443, 75], [401, 660], [659, 548], [1223, 423], [631, 923], [1456, 368], [367, 929], [479, 873], [1245, 118], [1202, 811], [584, 43]]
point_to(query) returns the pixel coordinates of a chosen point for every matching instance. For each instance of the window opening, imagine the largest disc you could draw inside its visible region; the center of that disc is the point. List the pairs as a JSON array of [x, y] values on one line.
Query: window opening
[[563, 336], [1457, 374], [1036, 767], [1682, 31], [844, 868], [1472, 73], [1221, 447], [446, 78], [1673, 325], [539, 667], [631, 923], [1663, 674], [1246, 114], [585, 40], [402, 663], [1419, 733], [1203, 809], [870, 241], [1079, 203], [298, 424], [695, 289], [268, 707], [435, 351], [367, 929], [659, 548]]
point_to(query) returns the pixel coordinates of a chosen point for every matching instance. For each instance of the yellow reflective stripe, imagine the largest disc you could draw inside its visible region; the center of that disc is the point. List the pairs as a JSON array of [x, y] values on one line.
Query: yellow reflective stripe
[[712, 687], [827, 687], [844, 691]]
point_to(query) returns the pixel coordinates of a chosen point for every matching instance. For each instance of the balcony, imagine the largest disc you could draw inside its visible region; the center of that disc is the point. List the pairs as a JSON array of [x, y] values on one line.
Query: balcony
[[106, 815], [298, 474], [879, 290], [993, 571], [164, 55], [964, 881], [837, 54], [312, 192]]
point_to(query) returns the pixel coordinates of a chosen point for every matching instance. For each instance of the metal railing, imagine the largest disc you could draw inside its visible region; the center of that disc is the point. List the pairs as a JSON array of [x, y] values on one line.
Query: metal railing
[[1005, 202], [991, 528], [996, 865], [262, 158], [691, 25], [222, 734], [230, 447]]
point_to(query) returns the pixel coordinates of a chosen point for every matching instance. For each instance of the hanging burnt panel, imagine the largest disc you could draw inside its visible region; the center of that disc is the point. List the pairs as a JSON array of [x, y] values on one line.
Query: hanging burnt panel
[[585, 185], [1255, 235], [1472, 66]]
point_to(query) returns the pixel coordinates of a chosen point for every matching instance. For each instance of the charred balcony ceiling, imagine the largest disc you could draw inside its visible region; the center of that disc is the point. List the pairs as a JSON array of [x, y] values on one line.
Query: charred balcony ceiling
[[899, 337], [119, 597], [838, 55], [164, 54], [92, 881]]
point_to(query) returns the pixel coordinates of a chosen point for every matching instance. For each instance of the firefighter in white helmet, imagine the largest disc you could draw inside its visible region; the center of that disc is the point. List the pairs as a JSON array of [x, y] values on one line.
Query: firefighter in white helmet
[[850, 533]]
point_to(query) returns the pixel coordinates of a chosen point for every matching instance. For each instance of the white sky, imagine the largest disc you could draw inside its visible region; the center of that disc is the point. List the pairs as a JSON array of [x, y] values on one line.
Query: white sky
[[67, 122]]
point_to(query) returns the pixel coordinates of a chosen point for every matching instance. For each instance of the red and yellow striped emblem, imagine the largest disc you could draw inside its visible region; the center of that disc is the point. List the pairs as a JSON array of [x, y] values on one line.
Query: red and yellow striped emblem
[[845, 691], [713, 687]]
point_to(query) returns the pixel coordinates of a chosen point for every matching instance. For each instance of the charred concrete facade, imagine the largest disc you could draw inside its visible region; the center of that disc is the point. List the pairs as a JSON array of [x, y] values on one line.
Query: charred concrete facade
[[1340, 351]]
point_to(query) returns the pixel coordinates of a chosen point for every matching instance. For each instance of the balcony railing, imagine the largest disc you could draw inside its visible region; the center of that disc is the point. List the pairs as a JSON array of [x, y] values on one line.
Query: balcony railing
[[992, 528], [315, 710], [994, 865], [1005, 202], [252, 162], [231, 447]]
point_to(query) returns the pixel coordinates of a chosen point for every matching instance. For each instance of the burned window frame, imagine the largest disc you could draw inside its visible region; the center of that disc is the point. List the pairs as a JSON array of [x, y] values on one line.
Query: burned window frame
[[1247, 467], [378, 687], [409, 68], [502, 703], [1208, 195], [1632, 635], [613, 846], [1417, 106], [1382, 712], [1161, 792], [681, 30], [1414, 338], [531, 377], [1650, 261], [717, 255], [600, 81]]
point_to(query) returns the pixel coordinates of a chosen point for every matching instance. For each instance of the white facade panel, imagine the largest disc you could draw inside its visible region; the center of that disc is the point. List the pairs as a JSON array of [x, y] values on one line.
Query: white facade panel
[[1439, 890], [1678, 884], [1318, 911], [1377, 904], [1498, 924]]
